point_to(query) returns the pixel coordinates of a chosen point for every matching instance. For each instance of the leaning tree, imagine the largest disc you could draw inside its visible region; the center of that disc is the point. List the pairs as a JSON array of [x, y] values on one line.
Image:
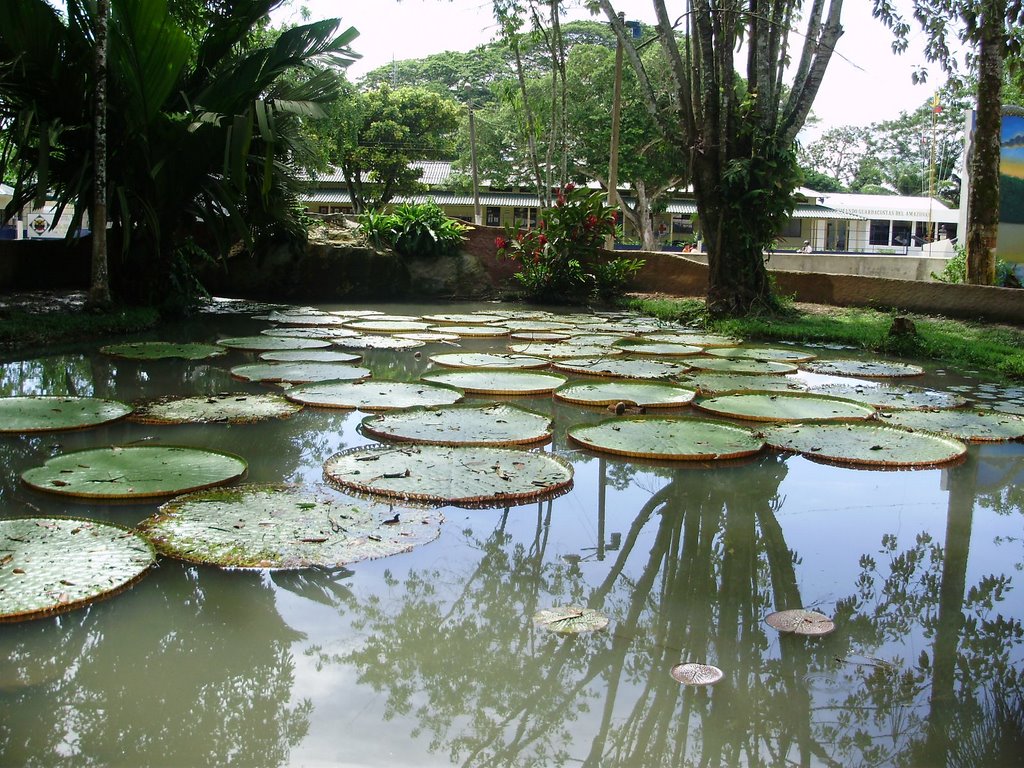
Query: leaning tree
[[738, 129]]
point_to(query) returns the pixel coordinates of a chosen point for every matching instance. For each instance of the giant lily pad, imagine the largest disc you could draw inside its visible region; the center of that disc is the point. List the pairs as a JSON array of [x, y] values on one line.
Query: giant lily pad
[[540, 335], [762, 353], [966, 424], [50, 565], [275, 526], [309, 356], [373, 395], [375, 341], [679, 439], [314, 332], [692, 673], [740, 365], [565, 350], [706, 340], [497, 381], [494, 424], [892, 396], [643, 393], [43, 414], [310, 317], [465, 318], [471, 331], [623, 369], [784, 406], [298, 373], [872, 369], [710, 383], [157, 350], [225, 408], [658, 349], [800, 621], [387, 326], [867, 444], [487, 360], [263, 343], [464, 476], [134, 472], [570, 620]]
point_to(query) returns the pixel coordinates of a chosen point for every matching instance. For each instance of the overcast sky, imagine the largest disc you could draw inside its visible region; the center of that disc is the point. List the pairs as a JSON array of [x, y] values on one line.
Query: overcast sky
[[865, 81]]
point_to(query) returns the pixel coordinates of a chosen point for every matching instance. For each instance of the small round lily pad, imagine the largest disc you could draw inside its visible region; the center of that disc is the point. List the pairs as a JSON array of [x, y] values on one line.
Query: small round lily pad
[[783, 406], [487, 360], [741, 365], [464, 476], [264, 343], [494, 424], [872, 369], [276, 526], [498, 381], [225, 408], [309, 356], [677, 439], [622, 369], [800, 621], [49, 565], [298, 373], [157, 350], [892, 396], [866, 444], [570, 620], [966, 424], [134, 472], [648, 394], [44, 414], [373, 395], [691, 673]]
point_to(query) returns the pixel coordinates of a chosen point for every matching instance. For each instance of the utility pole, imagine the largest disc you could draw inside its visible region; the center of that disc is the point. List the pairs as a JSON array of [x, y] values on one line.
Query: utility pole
[[477, 218], [613, 161]]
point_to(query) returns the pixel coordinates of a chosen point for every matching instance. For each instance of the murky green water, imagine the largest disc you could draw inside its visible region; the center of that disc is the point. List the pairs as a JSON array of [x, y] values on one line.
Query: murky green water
[[430, 658]]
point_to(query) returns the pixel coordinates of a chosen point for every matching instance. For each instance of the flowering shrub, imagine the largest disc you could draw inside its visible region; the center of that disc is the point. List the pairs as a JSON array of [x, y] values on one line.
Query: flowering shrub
[[559, 260]]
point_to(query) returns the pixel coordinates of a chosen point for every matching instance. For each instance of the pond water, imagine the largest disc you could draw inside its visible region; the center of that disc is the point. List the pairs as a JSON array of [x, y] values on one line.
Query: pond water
[[430, 658]]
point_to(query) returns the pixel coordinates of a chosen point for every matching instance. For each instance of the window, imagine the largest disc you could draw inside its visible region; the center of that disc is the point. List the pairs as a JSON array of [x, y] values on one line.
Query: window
[[524, 217], [901, 233], [324, 209], [879, 233], [682, 224], [493, 216], [791, 228]]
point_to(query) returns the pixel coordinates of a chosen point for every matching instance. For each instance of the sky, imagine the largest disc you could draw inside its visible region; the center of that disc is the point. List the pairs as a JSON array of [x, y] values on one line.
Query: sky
[[865, 82]]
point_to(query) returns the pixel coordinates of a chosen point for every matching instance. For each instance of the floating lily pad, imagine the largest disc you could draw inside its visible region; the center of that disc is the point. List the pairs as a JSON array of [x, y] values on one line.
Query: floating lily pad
[[226, 408], [487, 360], [570, 620], [472, 331], [373, 395], [321, 332], [306, 318], [784, 406], [493, 424], [387, 326], [49, 565], [274, 526], [298, 373], [763, 353], [710, 383], [134, 472], [427, 336], [309, 356], [678, 439], [536, 325], [892, 396], [351, 313], [464, 476], [373, 341], [870, 369], [658, 349], [706, 340], [741, 365], [264, 343], [44, 414], [642, 393], [158, 350], [623, 369], [966, 424], [540, 335], [561, 351], [691, 673], [801, 622], [466, 318], [497, 381], [867, 444]]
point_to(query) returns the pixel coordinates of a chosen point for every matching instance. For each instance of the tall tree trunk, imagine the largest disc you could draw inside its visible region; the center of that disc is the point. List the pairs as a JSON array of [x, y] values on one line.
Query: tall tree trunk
[[983, 208], [99, 290]]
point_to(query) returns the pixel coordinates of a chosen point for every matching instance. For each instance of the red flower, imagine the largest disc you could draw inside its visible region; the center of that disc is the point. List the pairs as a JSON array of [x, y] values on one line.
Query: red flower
[[542, 239], [561, 199], [591, 221], [570, 187], [536, 257], [500, 243]]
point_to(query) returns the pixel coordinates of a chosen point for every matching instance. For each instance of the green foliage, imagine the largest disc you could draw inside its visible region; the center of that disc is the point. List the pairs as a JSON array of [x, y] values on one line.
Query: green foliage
[[24, 330], [559, 261], [955, 271], [414, 229]]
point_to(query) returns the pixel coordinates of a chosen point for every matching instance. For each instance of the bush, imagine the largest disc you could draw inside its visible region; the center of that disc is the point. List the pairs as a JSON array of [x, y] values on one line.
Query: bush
[[955, 271], [560, 261], [414, 229]]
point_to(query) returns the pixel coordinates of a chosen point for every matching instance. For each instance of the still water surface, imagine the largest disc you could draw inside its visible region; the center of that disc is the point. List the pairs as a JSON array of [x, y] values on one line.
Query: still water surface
[[430, 658]]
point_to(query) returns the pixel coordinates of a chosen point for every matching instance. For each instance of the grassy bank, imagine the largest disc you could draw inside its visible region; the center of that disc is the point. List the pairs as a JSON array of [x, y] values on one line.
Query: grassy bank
[[990, 348], [26, 329]]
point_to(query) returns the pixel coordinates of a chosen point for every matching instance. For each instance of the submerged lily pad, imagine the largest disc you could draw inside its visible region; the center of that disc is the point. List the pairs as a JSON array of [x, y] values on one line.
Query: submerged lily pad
[[965, 424], [49, 565], [497, 381], [892, 396], [494, 424], [623, 369], [783, 406], [867, 444], [275, 526], [691, 673], [158, 350], [487, 360], [134, 472], [643, 393], [44, 414], [264, 343], [464, 476], [876, 369], [298, 373], [741, 365], [225, 408], [678, 439], [570, 620], [309, 356], [800, 621], [373, 395]]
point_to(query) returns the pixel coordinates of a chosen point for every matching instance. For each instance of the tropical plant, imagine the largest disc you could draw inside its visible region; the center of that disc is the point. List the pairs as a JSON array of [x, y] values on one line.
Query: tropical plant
[[414, 229]]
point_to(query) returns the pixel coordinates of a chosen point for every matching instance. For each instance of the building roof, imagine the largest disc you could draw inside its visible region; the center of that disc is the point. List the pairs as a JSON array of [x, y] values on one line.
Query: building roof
[[891, 207]]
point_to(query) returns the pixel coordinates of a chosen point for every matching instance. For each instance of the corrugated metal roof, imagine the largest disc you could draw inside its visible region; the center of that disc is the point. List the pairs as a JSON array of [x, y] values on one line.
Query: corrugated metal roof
[[892, 207], [812, 211]]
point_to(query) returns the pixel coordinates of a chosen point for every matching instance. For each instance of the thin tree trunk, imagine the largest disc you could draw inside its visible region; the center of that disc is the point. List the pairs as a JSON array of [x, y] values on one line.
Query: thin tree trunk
[[99, 290]]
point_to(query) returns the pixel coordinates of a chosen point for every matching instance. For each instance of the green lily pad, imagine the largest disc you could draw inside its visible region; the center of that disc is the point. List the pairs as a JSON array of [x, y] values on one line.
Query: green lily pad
[[493, 424], [783, 406], [309, 356], [348, 314], [623, 369], [562, 351], [540, 335], [472, 331], [225, 408], [318, 318], [157, 350], [678, 439], [570, 620], [536, 325], [464, 476], [966, 424], [49, 565], [487, 360], [134, 472], [691, 673], [321, 332], [373, 395], [298, 373], [877, 369], [497, 381], [641, 393], [800, 621], [710, 383], [866, 444], [763, 353], [276, 526], [374, 341], [658, 349], [892, 396], [428, 336], [387, 326], [706, 340], [264, 343], [741, 365], [465, 318], [44, 414]]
